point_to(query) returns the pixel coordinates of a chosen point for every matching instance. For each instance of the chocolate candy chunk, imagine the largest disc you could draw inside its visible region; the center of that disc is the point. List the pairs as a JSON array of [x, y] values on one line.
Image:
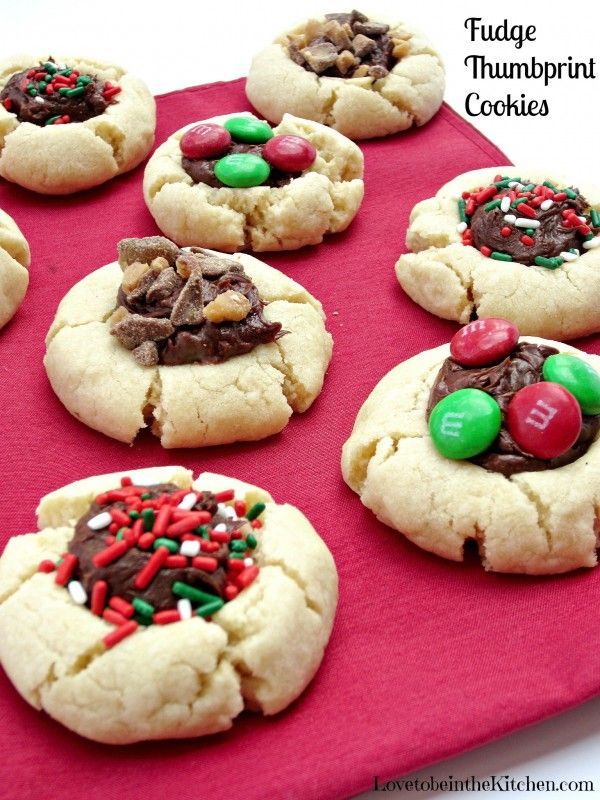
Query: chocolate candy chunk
[[186, 263], [378, 72], [370, 28], [146, 249], [213, 267], [139, 292], [320, 56], [190, 303], [362, 45], [133, 274], [165, 284], [135, 329], [146, 354], [295, 54]]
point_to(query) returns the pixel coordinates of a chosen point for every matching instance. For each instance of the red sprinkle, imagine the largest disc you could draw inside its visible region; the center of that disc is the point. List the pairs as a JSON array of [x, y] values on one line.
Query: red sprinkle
[[527, 240], [256, 523], [470, 207], [46, 566], [176, 562], [220, 536], [506, 231], [209, 547], [153, 565], [98, 601], [487, 251], [110, 540], [112, 616], [65, 569], [116, 636], [560, 196], [189, 522], [146, 541], [246, 577], [235, 565], [223, 497], [205, 563], [113, 527], [526, 210], [240, 508], [161, 521], [126, 481], [231, 591], [584, 229], [112, 553], [121, 605], [486, 194], [166, 617], [7, 103], [138, 529], [120, 517]]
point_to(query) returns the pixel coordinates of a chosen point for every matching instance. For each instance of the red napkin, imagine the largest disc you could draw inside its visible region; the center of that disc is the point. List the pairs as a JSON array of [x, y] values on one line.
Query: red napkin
[[427, 657]]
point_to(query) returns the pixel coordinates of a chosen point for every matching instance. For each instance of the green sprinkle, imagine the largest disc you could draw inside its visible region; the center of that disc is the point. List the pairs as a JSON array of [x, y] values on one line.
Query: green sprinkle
[[251, 541], [588, 236], [210, 608], [518, 202], [202, 530], [528, 188], [549, 263], [238, 546], [503, 184], [146, 496], [491, 206], [171, 545], [143, 619], [235, 555], [50, 120], [120, 534], [63, 90], [462, 210], [134, 515], [50, 67], [500, 256], [195, 595], [32, 92], [142, 607], [148, 517], [66, 72], [570, 193], [256, 510], [529, 231], [76, 92], [83, 80], [550, 186], [595, 218], [574, 250]]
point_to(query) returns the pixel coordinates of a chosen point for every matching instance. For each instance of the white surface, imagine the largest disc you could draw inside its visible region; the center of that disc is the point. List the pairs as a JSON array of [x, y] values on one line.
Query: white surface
[[180, 43]]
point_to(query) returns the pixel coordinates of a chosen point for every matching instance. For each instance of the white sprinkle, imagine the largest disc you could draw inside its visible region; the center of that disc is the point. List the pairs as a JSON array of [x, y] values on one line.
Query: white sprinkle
[[185, 608], [461, 227], [505, 204], [248, 562], [546, 204], [229, 512], [77, 592], [188, 501], [566, 256], [510, 218], [523, 222], [220, 528], [189, 548], [38, 99], [592, 244], [583, 220], [100, 521]]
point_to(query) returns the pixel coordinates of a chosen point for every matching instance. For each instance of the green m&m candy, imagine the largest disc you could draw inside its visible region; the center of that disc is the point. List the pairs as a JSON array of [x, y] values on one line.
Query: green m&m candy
[[578, 377], [465, 423], [241, 170], [247, 129]]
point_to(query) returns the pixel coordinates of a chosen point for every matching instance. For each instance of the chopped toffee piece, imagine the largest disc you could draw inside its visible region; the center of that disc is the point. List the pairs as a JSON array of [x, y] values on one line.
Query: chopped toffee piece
[[186, 306]]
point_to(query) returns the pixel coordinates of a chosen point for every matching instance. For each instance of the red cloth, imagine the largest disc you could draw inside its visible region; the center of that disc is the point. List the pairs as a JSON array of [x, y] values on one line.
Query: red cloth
[[427, 657]]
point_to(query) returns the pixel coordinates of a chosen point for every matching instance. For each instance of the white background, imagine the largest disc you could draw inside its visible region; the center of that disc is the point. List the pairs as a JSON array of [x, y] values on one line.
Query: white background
[[175, 43]]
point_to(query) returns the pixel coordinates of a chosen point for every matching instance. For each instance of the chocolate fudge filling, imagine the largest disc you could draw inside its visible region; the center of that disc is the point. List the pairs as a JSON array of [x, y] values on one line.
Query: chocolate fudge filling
[[348, 45], [551, 238], [121, 573], [202, 170], [183, 307], [521, 368], [45, 95]]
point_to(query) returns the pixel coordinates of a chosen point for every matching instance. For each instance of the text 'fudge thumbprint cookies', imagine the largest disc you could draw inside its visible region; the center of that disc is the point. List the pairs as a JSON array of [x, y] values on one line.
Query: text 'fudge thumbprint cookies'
[[203, 348], [363, 77], [152, 606], [234, 183], [492, 439], [70, 125], [509, 242]]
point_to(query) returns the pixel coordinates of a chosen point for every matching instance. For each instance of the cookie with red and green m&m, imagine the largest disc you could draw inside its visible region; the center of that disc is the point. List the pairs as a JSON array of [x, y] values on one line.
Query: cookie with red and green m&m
[[492, 439], [234, 183], [152, 606], [511, 242], [70, 124]]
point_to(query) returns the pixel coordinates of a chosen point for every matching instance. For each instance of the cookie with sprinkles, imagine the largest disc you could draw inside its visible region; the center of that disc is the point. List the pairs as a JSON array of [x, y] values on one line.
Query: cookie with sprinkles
[[70, 124], [14, 262], [489, 444], [200, 347], [234, 183], [508, 242], [152, 606]]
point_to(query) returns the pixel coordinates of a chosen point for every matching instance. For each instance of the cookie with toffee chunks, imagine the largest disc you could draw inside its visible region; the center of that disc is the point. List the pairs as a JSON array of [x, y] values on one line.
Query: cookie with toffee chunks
[[491, 440], [509, 242], [234, 183], [14, 261], [363, 77], [203, 348], [70, 124], [153, 606]]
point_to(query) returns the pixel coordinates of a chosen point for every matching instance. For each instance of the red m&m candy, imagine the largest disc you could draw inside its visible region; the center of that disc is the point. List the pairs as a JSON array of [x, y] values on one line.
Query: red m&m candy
[[289, 153], [544, 419], [205, 141], [485, 341]]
